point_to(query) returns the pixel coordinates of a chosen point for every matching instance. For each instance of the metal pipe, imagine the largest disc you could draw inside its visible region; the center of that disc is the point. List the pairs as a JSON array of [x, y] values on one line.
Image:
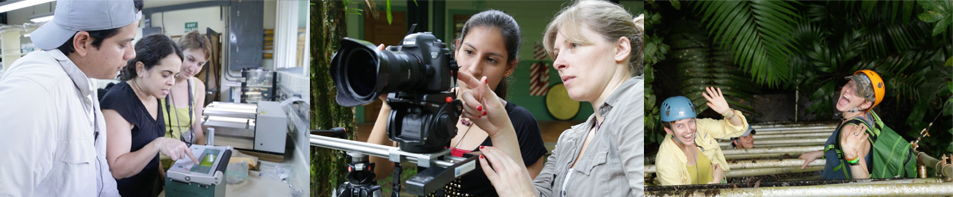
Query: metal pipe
[[376, 150], [791, 135], [758, 143], [913, 189], [769, 155], [754, 164], [796, 131], [764, 128], [777, 139], [767, 171], [772, 163], [768, 127], [933, 163], [792, 150], [817, 181], [726, 146]]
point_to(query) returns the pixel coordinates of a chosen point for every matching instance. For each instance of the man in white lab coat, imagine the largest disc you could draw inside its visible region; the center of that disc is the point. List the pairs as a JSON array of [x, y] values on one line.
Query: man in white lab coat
[[52, 132]]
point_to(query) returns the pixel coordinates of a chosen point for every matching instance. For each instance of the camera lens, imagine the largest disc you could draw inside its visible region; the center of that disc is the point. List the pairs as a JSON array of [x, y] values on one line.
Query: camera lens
[[361, 72]]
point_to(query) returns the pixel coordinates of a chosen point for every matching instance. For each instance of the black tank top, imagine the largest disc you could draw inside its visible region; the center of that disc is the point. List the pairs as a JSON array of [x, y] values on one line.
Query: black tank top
[[123, 99]]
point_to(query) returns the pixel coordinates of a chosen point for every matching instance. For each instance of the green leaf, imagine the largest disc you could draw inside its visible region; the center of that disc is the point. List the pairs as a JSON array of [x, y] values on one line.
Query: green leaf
[[950, 85], [930, 16], [389, 17], [676, 4], [942, 26], [949, 62], [930, 5]]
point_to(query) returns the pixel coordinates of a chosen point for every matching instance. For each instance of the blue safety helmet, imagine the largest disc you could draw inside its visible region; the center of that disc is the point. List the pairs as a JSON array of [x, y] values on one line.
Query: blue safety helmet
[[677, 108]]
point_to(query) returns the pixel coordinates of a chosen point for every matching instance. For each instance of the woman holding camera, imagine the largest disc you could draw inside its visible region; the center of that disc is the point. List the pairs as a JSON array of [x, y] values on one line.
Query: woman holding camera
[[597, 48], [487, 48]]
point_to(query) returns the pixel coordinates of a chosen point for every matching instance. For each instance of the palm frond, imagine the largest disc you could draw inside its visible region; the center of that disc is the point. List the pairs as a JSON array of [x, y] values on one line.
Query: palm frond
[[756, 32], [700, 64]]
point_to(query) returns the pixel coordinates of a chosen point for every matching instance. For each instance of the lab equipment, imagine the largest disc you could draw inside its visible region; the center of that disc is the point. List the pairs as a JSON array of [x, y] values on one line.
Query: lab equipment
[[186, 178], [259, 127]]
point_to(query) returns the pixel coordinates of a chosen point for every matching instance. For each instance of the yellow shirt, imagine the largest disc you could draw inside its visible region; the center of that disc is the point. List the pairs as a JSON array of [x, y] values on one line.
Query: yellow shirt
[[670, 161], [178, 122], [701, 171]]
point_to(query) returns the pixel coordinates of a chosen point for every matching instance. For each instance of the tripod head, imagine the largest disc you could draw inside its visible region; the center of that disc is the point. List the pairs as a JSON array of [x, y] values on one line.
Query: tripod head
[[360, 176]]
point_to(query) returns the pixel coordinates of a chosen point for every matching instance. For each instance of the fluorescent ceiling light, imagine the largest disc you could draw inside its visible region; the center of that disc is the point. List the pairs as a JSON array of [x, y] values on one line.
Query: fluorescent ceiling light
[[26, 35], [42, 19], [10, 6]]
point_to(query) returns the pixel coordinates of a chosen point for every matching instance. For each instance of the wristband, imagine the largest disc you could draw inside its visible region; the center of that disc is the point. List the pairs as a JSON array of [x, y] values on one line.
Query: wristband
[[731, 111], [855, 161]]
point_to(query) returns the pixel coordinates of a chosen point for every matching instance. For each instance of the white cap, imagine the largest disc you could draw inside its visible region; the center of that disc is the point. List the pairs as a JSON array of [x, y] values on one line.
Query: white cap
[[72, 16]]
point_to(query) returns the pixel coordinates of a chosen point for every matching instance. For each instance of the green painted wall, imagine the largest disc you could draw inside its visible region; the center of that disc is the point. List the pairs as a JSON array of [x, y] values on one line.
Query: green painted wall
[[532, 16], [519, 93]]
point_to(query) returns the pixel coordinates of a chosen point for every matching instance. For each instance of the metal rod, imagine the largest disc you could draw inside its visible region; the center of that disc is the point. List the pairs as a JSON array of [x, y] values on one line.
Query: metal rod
[[753, 164], [376, 150], [793, 184], [778, 139], [933, 163], [792, 150], [726, 146], [791, 135], [913, 189], [772, 163], [767, 128], [769, 155], [767, 171], [796, 131], [758, 143]]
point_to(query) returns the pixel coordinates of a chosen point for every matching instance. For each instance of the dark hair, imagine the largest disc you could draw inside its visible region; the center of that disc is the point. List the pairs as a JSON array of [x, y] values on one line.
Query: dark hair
[[150, 50], [508, 28], [98, 36]]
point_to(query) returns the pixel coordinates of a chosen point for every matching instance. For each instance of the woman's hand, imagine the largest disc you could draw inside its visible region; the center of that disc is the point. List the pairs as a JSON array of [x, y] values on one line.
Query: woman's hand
[[809, 157], [854, 142], [717, 173], [717, 101], [507, 177], [175, 149], [482, 106]]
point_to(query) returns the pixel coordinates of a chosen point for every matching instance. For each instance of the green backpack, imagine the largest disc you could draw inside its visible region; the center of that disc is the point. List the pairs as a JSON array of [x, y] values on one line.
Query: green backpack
[[893, 155]]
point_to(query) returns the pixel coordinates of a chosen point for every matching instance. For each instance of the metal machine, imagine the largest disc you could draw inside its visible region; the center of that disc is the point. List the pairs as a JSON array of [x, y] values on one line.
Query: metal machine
[[204, 179], [258, 85], [260, 127]]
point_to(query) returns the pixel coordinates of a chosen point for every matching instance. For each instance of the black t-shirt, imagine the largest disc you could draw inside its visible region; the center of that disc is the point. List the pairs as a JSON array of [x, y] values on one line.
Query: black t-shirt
[[532, 148], [123, 99]]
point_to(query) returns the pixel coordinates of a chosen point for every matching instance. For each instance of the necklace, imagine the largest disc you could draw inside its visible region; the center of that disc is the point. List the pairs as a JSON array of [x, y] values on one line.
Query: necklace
[[469, 125]]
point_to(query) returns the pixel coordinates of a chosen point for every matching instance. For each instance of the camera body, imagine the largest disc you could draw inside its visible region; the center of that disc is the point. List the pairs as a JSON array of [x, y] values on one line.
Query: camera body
[[416, 75]]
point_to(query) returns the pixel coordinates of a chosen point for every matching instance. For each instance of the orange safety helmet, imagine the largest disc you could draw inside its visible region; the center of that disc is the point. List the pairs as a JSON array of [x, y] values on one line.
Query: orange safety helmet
[[876, 83]]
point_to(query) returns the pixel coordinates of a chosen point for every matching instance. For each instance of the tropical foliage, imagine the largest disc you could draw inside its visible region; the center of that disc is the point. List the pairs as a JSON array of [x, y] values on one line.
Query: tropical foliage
[[808, 47], [328, 27]]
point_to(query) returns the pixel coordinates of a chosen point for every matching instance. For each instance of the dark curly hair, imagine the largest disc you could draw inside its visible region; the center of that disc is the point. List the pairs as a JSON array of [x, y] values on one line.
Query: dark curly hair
[[150, 50]]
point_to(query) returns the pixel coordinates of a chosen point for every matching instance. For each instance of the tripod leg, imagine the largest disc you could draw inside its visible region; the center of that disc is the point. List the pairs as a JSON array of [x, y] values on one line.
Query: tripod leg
[[397, 171]]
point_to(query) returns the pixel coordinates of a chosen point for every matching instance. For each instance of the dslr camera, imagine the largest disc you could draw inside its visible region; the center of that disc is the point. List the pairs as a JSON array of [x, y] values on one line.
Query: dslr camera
[[417, 78]]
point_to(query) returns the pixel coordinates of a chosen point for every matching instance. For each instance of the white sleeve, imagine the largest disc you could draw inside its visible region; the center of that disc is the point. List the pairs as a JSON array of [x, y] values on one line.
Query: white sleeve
[[26, 145]]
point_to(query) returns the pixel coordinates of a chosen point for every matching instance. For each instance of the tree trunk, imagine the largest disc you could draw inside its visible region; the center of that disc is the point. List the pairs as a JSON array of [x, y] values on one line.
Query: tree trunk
[[328, 26]]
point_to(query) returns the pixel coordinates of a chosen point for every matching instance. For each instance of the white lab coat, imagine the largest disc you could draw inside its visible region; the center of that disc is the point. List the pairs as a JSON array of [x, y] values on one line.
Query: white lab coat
[[49, 111]]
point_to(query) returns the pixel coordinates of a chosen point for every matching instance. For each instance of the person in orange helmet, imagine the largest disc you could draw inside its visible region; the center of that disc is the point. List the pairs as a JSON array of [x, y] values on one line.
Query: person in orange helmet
[[847, 150]]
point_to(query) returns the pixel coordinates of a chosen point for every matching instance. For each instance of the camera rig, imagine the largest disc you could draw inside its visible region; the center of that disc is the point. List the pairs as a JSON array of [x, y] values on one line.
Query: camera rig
[[441, 167]]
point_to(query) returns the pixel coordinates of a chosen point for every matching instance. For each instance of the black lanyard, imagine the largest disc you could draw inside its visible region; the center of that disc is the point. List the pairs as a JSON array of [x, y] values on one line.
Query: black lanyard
[[169, 112]]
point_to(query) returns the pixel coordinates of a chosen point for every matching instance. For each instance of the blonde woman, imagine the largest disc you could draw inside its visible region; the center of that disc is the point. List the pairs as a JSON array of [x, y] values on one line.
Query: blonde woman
[[597, 48], [187, 95]]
